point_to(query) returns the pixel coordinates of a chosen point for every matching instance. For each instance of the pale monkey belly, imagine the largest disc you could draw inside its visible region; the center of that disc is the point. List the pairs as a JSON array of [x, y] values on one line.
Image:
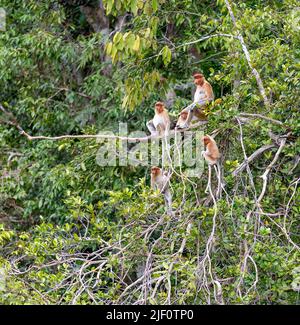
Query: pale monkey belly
[[158, 120], [199, 95]]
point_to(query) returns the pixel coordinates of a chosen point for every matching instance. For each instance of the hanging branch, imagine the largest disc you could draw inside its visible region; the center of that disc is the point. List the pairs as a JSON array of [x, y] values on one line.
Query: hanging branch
[[268, 169], [247, 54]]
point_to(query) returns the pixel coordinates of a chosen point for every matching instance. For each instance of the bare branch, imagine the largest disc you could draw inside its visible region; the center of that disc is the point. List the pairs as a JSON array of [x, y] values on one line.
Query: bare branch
[[247, 55], [90, 136], [206, 38], [268, 169], [262, 117], [255, 154]]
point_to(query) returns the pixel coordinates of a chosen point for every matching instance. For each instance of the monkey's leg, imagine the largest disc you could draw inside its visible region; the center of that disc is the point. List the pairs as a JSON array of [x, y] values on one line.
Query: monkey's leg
[[151, 128], [160, 129], [166, 148], [199, 114], [190, 116]]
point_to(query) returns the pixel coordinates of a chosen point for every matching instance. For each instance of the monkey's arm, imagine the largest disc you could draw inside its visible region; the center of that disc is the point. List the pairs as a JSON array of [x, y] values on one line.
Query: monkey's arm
[[151, 127], [209, 94], [153, 186], [179, 123], [211, 159], [190, 107], [165, 183], [182, 124]]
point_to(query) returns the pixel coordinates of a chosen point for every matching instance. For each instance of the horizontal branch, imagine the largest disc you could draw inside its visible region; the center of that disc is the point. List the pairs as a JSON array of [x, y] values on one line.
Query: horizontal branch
[[262, 117], [91, 136], [204, 38]]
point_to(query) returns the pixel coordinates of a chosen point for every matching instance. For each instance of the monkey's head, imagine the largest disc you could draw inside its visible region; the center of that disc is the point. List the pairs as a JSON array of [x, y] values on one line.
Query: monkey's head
[[155, 171], [206, 140], [159, 107], [184, 115], [198, 79]]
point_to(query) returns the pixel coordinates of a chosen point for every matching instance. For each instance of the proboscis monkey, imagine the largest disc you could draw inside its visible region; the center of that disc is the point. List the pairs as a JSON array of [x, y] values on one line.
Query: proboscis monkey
[[161, 181], [182, 120], [203, 95], [212, 156], [160, 125]]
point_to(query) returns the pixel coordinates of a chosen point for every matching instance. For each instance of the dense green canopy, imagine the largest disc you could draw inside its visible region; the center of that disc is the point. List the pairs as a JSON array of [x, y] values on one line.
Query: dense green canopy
[[74, 232]]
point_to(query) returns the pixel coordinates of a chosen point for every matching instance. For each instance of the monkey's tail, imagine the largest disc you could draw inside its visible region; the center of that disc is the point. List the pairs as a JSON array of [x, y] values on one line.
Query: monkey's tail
[[168, 201]]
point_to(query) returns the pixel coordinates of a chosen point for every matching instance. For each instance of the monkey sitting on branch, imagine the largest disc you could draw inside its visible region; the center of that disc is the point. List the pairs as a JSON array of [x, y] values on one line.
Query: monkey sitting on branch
[[161, 181], [160, 124], [203, 95]]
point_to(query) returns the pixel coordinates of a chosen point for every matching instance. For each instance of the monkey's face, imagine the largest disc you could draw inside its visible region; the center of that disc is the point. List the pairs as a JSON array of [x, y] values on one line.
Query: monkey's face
[[184, 115], [198, 79], [159, 107], [206, 140], [155, 171]]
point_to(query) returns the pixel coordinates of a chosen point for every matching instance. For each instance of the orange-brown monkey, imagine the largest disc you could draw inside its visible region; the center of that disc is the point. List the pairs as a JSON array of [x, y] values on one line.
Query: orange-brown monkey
[[212, 153], [183, 123], [204, 92], [160, 125], [182, 120], [161, 181], [203, 95], [212, 156]]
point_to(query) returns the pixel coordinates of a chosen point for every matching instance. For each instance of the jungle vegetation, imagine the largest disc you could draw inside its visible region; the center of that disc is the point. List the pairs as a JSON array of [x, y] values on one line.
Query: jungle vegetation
[[74, 232]]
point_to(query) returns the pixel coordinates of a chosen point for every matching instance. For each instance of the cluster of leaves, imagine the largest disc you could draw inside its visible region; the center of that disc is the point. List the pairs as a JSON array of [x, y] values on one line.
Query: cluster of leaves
[[73, 232]]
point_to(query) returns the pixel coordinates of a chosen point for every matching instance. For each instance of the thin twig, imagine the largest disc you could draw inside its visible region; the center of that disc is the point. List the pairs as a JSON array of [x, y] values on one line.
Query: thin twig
[[262, 117], [247, 55]]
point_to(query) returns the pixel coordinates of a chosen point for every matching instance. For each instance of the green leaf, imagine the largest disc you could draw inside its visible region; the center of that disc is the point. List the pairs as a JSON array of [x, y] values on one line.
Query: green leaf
[[134, 7], [136, 45], [167, 55], [109, 6], [109, 48], [154, 5], [130, 39], [117, 37]]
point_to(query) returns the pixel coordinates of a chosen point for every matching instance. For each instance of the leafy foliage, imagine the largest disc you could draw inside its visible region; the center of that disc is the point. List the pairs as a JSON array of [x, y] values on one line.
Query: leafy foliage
[[73, 232]]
